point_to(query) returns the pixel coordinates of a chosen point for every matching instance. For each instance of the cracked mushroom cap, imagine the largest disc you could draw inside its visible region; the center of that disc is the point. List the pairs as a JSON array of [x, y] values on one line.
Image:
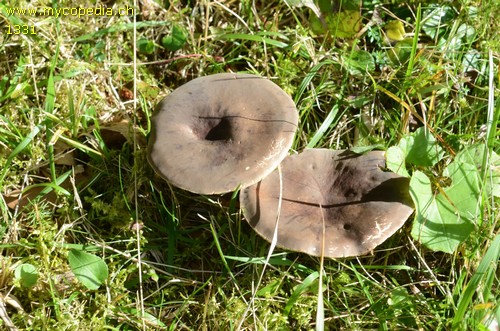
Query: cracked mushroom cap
[[361, 204], [218, 132]]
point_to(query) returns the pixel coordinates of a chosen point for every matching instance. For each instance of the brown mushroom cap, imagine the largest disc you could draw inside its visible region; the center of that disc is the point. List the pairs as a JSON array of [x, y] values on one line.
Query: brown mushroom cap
[[218, 132], [362, 205]]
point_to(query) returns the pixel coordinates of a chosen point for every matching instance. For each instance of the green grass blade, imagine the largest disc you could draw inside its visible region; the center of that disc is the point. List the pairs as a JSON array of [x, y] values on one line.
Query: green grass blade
[[275, 260], [51, 95], [481, 281], [252, 37], [308, 79], [48, 187], [79, 145], [22, 145], [119, 28], [325, 126], [219, 248], [49, 108], [299, 290], [493, 112], [411, 63], [5, 212]]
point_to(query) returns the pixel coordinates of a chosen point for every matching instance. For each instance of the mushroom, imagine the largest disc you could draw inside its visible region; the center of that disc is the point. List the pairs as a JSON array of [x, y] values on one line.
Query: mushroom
[[360, 204], [221, 131]]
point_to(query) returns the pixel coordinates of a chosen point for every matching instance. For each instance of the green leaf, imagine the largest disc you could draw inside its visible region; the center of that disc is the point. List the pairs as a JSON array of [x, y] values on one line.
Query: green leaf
[[419, 148], [475, 154], [464, 190], [493, 176], [422, 148], [345, 24], [445, 219], [395, 160], [88, 268], [316, 25], [175, 40], [429, 226], [401, 52], [342, 22], [395, 30], [359, 63], [325, 6], [145, 46], [398, 297], [435, 20], [26, 274]]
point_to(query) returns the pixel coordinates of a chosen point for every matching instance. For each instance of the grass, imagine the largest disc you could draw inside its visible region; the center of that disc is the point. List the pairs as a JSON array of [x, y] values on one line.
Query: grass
[[75, 102]]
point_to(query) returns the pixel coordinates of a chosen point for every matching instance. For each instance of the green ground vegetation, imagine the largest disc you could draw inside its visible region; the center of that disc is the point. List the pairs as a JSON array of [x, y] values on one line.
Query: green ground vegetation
[[92, 239]]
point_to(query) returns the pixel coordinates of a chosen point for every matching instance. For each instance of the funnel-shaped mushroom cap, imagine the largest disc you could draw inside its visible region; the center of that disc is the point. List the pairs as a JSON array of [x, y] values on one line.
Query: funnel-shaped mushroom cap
[[361, 205], [218, 132]]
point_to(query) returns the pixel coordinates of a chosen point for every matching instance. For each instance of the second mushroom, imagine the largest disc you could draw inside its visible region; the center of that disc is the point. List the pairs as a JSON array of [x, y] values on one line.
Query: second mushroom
[[333, 203]]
